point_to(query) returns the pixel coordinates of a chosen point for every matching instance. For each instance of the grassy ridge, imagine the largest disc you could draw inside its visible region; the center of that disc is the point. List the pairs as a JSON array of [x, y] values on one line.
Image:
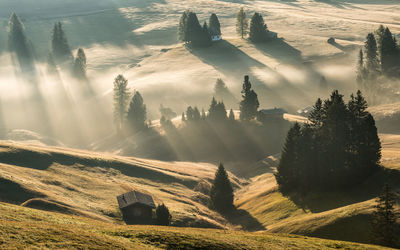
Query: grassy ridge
[[22, 227], [86, 183]]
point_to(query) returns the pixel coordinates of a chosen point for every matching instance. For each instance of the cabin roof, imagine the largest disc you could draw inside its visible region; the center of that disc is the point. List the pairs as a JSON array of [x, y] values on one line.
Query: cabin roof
[[274, 111], [133, 197]]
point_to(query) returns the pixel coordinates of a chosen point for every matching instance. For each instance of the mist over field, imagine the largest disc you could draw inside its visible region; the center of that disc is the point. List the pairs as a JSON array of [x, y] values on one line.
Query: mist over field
[[235, 114]]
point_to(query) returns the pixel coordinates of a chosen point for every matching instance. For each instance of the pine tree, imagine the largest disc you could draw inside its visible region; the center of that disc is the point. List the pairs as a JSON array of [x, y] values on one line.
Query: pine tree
[[215, 26], [217, 111], [371, 53], [205, 37], [189, 113], [183, 27], [196, 114], [194, 31], [59, 44], [183, 117], [203, 114], [242, 24], [384, 221], [137, 113], [231, 115], [361, 70], [258, 29], [163, 215], [316, 116], [19, 44], [249, 104], [221, 193], [80, 65], [387, 51], [286, 175], [121, 99]]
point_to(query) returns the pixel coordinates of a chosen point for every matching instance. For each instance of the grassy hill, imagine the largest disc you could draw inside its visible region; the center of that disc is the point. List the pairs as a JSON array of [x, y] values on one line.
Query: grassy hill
[[22, 227], [87, 183], [344, 214]]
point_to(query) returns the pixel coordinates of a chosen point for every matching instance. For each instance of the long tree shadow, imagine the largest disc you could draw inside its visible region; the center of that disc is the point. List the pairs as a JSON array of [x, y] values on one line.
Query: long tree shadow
[[244, 219], [234, 63], [43, 160], [320, 201]]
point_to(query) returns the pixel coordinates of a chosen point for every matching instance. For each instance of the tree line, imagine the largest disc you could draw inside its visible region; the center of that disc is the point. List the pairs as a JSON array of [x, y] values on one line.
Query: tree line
[[379, 57], [60, 54], [190, 31], [338, 148]]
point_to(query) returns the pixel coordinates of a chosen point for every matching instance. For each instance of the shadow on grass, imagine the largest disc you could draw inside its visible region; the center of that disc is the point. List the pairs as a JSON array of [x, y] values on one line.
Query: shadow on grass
[[243, 218], [370, 188], [12, 192], [42, 161]]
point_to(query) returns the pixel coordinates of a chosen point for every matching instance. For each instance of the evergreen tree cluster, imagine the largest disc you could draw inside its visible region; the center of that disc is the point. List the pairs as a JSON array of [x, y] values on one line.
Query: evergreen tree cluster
[[338, 148], [379, 57], [60, 52], [190, 30], [258, 31], [133, 115]]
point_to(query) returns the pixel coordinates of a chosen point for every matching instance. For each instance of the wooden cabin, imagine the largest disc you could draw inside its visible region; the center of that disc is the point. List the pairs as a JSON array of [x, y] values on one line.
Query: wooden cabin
[[136, 207]]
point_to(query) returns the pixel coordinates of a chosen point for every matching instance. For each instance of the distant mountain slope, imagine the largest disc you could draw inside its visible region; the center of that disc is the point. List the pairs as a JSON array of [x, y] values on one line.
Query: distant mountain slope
[[29, 228]]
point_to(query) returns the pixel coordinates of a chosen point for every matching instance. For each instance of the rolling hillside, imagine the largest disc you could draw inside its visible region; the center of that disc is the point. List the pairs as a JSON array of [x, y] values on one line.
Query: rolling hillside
[[47, 230], [344, 214], [87, 183]]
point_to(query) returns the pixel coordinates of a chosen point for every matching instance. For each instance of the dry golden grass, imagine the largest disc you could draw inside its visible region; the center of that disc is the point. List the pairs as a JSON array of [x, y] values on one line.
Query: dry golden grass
[[390, 150], [29, 228], [87, 183]]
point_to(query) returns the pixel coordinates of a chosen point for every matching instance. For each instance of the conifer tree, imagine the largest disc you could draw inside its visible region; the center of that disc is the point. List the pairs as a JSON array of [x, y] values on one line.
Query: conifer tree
[[242, 24], [163, 215], [387, 51], [183, 27], [361, 71], [137, 113], [215, 26], [384, 221], [231, 115], [183, 117], [371, 54], [80, 64], [286, 176], [203, 114], [19, 44], [59, 44], [205, 37], [217, 111], [121, 99], [249, 104], [221, 193], [196, 114], [258, 29], [189, 113]]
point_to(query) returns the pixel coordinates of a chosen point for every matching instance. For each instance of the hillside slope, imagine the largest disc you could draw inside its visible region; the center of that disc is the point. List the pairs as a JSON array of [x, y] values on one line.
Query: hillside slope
[[87, 183], [47, 230], [344, 215]]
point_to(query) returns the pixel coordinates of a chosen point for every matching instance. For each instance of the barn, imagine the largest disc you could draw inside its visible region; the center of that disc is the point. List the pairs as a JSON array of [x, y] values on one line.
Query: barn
[[136, 207]]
